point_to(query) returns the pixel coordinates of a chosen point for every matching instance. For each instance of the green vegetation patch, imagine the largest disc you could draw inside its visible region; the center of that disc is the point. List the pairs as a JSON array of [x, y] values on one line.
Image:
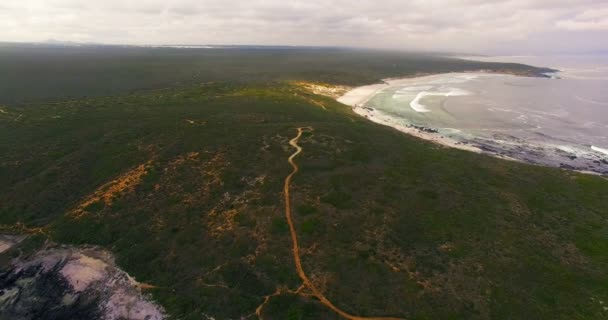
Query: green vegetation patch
[[398, 227]]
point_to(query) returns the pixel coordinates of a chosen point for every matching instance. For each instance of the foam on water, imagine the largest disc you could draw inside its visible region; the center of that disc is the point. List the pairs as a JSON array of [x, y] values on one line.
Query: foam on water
[[545, 121], [567, 149], [409, 90], [600, 150], [455, 79], [419, 107]]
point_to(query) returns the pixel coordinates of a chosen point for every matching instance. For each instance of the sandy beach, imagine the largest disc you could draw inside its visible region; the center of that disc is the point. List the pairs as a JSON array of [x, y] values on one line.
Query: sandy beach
[[357, 97], [499, 127]]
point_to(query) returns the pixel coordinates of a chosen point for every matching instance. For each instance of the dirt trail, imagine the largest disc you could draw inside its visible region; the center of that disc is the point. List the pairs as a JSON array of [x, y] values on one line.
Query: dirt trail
[[294, 238], [318, 103]]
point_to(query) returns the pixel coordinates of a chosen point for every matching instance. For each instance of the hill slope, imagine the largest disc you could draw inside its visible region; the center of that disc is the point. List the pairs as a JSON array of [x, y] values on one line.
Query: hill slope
[[185, 186]]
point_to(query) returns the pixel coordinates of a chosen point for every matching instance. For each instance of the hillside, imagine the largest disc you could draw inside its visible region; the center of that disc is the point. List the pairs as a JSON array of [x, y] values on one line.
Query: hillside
[[185, 186]]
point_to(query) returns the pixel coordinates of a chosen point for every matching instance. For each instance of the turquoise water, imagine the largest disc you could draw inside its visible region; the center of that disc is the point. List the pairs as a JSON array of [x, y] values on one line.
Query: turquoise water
[[551, 121]]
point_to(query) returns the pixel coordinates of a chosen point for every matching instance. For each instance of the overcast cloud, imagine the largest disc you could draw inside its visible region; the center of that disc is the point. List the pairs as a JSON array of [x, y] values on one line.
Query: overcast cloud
[[516, 26]]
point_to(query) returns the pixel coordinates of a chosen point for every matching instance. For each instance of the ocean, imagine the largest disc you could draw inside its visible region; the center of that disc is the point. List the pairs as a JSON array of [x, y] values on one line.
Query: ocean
[[558, 121]]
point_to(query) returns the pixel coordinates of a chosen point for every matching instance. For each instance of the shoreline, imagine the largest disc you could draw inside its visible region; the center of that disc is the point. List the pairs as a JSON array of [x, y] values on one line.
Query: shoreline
[[416, 131], [357, 97]]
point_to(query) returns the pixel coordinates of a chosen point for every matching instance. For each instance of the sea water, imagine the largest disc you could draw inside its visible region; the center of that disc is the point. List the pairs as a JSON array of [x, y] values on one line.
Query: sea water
[[560, 121]]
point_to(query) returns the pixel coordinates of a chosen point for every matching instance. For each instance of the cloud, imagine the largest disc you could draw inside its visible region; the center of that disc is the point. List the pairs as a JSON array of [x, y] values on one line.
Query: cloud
[[587, 20], [458, 25]]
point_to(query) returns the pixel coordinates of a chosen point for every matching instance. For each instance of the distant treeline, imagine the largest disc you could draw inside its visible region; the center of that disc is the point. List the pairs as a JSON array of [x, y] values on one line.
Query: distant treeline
[[43, 73]]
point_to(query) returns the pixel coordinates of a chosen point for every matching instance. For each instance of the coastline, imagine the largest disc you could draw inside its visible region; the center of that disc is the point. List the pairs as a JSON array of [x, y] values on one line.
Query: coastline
[[419, 132], [357, 97]]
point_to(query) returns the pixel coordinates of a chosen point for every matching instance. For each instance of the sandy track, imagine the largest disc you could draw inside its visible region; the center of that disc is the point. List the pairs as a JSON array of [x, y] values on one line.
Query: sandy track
[[294, 238]]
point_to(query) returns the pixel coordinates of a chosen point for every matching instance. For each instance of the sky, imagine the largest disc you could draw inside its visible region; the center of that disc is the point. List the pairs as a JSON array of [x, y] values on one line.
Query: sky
[[467, 26]]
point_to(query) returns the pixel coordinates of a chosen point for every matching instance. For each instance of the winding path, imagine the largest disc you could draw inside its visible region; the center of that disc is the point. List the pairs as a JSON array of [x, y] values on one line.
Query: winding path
[[294, 238]]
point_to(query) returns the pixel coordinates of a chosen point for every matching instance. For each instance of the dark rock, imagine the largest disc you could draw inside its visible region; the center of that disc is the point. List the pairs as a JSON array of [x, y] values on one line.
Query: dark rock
[[32, 293]]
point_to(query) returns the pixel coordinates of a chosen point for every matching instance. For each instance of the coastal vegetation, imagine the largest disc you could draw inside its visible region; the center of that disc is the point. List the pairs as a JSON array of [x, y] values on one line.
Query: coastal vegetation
[[179, 168], [39, 73]]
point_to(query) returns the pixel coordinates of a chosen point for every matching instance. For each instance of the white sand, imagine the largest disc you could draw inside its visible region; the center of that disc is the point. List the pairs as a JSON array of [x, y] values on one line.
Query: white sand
[[360, 95]]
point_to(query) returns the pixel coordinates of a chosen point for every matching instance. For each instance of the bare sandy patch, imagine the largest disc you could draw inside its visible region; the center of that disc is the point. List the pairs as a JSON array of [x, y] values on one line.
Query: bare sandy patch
[[324, 89], [124, 183]]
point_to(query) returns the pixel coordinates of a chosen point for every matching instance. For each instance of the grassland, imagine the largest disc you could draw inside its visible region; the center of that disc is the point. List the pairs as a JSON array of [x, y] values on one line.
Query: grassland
[[184, 185]]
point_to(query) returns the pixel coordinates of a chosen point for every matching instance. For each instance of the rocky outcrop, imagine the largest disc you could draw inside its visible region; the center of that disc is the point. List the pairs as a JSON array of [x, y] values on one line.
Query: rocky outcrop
[[72, 283]]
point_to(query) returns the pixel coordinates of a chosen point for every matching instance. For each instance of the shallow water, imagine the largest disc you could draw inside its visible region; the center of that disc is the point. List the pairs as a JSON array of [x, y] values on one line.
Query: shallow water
[[558, 122]]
